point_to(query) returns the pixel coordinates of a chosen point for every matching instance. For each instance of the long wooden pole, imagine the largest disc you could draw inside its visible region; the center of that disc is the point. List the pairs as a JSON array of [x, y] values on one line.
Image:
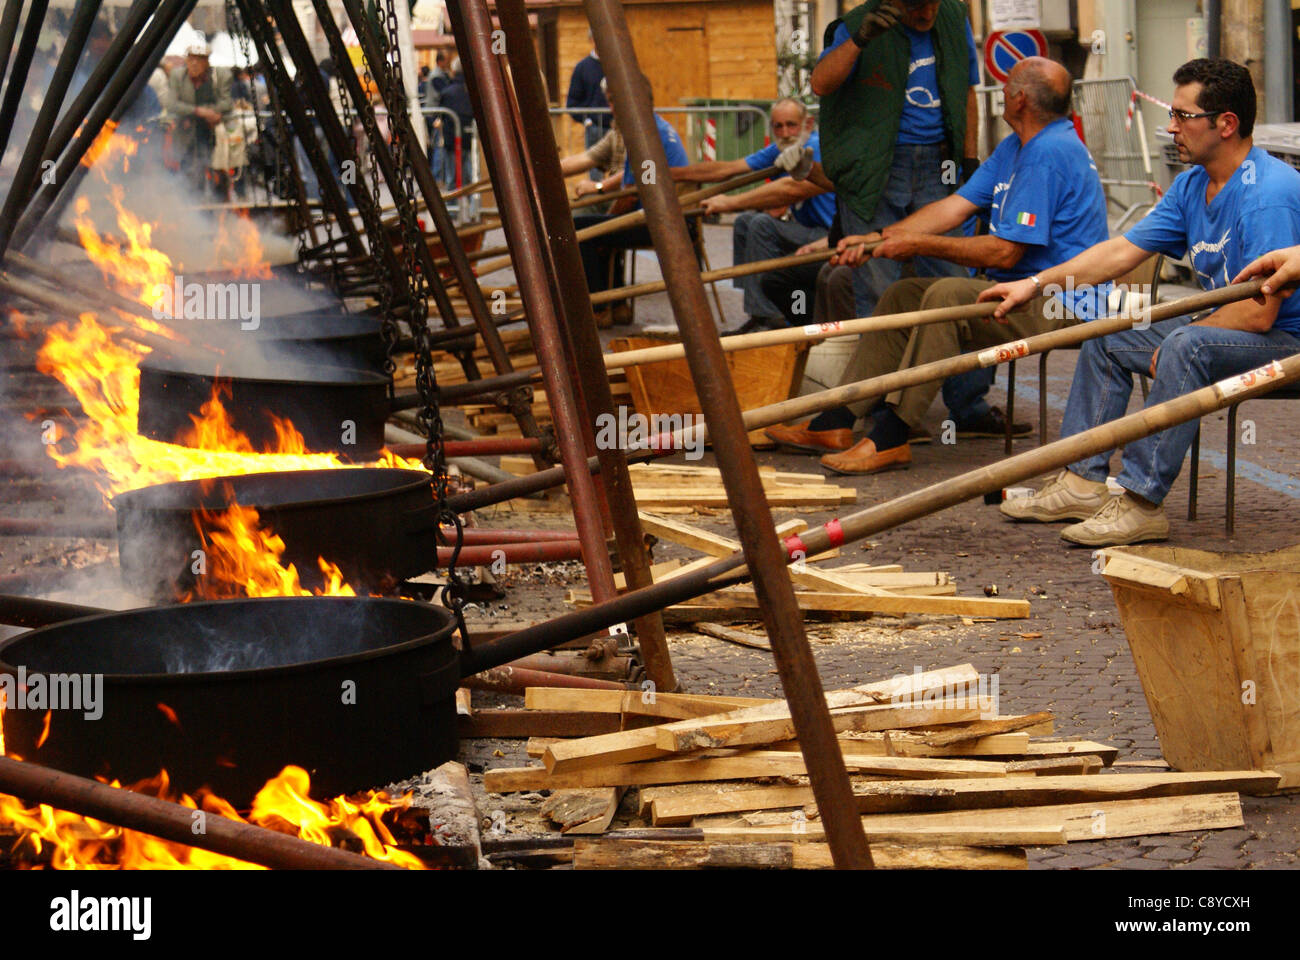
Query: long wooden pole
[[920, 503], [637, 217], [881, 386]]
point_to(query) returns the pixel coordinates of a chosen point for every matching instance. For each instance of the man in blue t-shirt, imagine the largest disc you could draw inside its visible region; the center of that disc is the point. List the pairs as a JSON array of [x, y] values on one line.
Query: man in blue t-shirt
[[774, 219], [1235, 204], [598, 253], [1043, 198]]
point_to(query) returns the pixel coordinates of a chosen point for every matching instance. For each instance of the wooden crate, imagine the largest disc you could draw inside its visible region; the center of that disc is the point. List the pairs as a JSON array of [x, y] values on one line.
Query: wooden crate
[[760, 376], [1216, 640]]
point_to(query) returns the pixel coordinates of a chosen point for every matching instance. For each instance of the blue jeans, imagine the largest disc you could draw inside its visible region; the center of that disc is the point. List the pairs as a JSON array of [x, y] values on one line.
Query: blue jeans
[[757, 235], [1191, 357], [915, 179]]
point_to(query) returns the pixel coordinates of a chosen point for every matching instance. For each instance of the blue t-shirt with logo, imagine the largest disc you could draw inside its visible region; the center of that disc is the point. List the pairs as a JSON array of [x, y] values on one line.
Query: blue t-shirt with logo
[[672, 147], [816, 211], [922, 120], [1047, 195], [1257, 211]]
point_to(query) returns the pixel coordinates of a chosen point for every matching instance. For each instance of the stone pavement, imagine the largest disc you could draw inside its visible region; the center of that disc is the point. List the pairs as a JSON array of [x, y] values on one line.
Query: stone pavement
[[1081, 668]]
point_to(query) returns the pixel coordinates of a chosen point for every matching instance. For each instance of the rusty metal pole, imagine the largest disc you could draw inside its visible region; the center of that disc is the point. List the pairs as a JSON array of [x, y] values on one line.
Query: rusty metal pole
[[581, 325], [630, 94], [473, 30]]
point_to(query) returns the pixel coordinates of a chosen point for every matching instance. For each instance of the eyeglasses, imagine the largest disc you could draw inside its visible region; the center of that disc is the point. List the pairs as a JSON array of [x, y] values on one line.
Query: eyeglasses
[[1182, 116]]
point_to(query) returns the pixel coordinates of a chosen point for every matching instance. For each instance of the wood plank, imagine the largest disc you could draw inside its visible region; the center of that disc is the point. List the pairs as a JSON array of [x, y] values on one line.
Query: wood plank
[[676, 706], [903, 743], [744, 598], [1055, 766], [982, 728], [742, 766], [608, 854], [633, 745], [976, 836], [743, 726], [520, 724], [583, 811], [536, 746], [1105, 820], [912, 796], [1063, 748]]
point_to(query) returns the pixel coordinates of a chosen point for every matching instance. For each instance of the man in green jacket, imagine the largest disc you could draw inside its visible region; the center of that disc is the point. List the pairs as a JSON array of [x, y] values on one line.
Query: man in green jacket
[[899, 130]]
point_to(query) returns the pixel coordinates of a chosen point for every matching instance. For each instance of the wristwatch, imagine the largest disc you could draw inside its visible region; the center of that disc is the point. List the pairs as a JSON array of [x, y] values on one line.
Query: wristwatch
[[1038, 284]]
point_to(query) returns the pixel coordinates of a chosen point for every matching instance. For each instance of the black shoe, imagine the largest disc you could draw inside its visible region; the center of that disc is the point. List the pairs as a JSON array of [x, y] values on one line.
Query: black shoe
[[993, 424]]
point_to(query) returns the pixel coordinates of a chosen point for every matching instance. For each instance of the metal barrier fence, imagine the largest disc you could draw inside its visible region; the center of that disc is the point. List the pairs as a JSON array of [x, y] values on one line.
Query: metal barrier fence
[[731, 131]]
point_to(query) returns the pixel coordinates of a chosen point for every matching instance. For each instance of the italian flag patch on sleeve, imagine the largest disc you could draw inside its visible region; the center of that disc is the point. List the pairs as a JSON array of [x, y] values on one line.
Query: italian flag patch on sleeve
[[1026, 219]]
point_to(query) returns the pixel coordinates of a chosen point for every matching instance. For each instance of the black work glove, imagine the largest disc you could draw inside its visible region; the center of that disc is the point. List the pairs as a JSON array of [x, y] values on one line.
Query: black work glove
[[968, 167], [881, 20]]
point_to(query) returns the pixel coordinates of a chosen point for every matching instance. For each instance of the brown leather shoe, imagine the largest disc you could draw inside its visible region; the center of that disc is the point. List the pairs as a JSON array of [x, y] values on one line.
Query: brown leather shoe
[[800, 438], [863, 457]]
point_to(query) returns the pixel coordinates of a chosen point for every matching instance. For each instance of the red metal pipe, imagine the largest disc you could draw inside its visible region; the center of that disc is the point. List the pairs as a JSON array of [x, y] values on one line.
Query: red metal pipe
[[511, 679], [487, 554], [486, 447]]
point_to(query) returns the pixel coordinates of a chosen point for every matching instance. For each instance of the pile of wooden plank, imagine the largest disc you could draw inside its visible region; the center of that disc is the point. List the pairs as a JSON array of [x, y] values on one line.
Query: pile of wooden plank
[[856, 590], [684, 488], [940, 778]]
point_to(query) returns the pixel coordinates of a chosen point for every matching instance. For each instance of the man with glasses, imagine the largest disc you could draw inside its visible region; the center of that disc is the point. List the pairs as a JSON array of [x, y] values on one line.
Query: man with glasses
[[1234, 205]]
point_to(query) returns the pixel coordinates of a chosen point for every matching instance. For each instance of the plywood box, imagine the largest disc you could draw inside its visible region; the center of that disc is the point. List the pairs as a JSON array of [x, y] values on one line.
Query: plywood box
[[1216, 640]]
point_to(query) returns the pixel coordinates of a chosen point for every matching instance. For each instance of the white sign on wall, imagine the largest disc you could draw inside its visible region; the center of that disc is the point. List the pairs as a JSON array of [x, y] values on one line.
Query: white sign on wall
[[1016, 14]]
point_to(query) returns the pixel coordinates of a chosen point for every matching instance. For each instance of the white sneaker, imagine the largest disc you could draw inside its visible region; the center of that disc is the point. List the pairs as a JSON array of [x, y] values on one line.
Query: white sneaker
[[1067, 497], [1122, 520]]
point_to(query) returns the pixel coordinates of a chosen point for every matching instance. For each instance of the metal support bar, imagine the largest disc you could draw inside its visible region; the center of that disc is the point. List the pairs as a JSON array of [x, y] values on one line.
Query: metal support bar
[[255, 19], [473, 28], [630, 93], [580, 323], [56, 88], [130, 77], [21, 67]]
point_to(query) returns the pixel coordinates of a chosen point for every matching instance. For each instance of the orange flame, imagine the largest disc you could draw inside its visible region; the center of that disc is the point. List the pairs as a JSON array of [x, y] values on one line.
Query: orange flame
[[239, 248], [69, 841], [246, 560], [103, 375]]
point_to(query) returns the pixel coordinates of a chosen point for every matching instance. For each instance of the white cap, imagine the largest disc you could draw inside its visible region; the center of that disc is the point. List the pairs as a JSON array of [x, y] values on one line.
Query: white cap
[[198, 48]]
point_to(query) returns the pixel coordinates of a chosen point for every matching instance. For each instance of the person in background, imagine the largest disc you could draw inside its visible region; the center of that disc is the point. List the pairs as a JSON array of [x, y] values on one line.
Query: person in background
[[899, 129], [455, 97], [199, 99], [598, 253], [586, 90], [775, 219]]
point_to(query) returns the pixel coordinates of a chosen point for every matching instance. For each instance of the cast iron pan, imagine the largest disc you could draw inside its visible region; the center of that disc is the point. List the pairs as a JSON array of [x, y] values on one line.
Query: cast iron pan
[[360, 691], [336, 409], [378, 525]]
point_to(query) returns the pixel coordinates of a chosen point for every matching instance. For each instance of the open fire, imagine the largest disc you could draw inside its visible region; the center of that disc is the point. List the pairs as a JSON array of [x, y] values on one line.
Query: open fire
[[43, 836], [100, 368]]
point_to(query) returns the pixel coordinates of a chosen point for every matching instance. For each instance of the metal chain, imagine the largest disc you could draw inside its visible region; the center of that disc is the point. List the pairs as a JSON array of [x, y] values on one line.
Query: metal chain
[[388, 328], [238, 31], [405, 153]]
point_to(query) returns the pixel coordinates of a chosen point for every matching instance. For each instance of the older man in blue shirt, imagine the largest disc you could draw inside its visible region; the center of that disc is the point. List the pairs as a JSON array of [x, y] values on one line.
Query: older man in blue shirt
[[1236, 203], [1044, 201]]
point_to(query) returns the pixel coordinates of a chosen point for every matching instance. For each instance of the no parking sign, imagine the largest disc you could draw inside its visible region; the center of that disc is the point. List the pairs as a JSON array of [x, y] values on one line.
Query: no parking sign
[[1005, 48]]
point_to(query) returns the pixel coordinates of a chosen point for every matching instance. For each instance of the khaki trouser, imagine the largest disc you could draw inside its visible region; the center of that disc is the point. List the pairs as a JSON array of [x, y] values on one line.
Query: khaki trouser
[[888, 351]]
